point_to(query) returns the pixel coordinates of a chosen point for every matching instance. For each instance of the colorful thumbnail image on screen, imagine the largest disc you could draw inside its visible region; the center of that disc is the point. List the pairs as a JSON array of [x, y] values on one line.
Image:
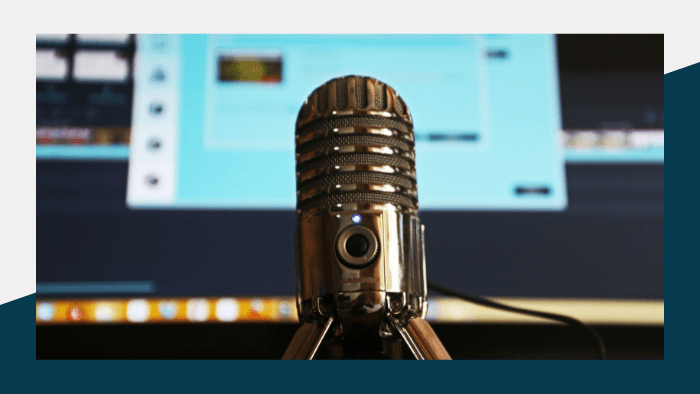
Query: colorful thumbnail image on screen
[[84, 89], [250, 68]]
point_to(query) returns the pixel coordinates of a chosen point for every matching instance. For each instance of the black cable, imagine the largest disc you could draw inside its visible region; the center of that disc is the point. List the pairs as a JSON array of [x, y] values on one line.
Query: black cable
[[545, 315]]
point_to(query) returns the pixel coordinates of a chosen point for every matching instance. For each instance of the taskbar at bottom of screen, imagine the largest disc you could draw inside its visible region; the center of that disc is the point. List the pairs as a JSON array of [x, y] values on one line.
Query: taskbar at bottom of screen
[[283, 310]]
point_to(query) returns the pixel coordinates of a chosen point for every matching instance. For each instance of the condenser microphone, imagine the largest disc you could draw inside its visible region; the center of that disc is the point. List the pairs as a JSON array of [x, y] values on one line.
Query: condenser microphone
[[360, 262]]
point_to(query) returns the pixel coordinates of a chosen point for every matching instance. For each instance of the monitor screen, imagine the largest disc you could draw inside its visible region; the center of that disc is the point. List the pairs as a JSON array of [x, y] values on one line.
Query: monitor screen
[[144, 142], [231, 102], [84, 94]]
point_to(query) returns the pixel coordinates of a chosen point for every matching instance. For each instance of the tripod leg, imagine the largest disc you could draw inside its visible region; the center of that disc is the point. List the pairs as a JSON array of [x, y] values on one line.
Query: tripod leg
[[421, 339], [306, 341]]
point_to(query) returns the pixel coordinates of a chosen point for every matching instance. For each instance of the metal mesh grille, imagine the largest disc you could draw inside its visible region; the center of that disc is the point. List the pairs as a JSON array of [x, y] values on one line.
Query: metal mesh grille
[[361, 92], [354, 158], [353, 139], [357, 177], [341, 93], [355, 121], [357, 197], [380, 96], [400, 141], [323, 98], [399, 106]]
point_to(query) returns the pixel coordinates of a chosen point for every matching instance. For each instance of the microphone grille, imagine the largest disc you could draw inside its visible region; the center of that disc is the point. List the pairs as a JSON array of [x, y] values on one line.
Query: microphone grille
[[355, 144], [357, 93]]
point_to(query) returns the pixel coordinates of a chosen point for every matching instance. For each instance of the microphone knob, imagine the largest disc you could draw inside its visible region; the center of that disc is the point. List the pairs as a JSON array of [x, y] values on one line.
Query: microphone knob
[[357, 247]]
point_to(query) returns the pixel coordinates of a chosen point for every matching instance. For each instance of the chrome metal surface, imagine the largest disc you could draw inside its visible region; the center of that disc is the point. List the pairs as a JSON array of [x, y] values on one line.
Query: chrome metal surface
[[357, 261], [356, 173], [361, 311], [361, 128], [408, 338], [420, 338]]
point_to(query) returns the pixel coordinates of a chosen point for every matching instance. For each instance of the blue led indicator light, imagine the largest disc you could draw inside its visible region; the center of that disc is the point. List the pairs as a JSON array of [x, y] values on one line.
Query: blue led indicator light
[[356, 218]]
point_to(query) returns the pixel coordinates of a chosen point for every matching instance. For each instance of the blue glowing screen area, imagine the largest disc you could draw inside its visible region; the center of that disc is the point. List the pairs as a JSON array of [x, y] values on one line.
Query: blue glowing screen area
[[213, 116]]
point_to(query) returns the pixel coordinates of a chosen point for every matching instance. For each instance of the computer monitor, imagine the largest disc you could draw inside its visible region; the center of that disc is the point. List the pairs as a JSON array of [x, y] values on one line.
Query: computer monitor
[[560, 203]]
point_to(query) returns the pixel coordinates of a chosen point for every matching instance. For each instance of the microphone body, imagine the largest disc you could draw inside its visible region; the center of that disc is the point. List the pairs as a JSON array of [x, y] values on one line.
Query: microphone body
[[360, 261]]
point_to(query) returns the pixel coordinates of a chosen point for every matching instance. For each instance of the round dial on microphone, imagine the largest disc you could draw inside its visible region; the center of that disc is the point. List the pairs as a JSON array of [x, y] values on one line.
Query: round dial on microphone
[[357, 247]]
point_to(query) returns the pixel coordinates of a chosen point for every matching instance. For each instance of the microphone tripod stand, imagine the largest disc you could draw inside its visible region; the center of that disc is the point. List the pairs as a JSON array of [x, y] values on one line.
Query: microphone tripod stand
[[415, 332]]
